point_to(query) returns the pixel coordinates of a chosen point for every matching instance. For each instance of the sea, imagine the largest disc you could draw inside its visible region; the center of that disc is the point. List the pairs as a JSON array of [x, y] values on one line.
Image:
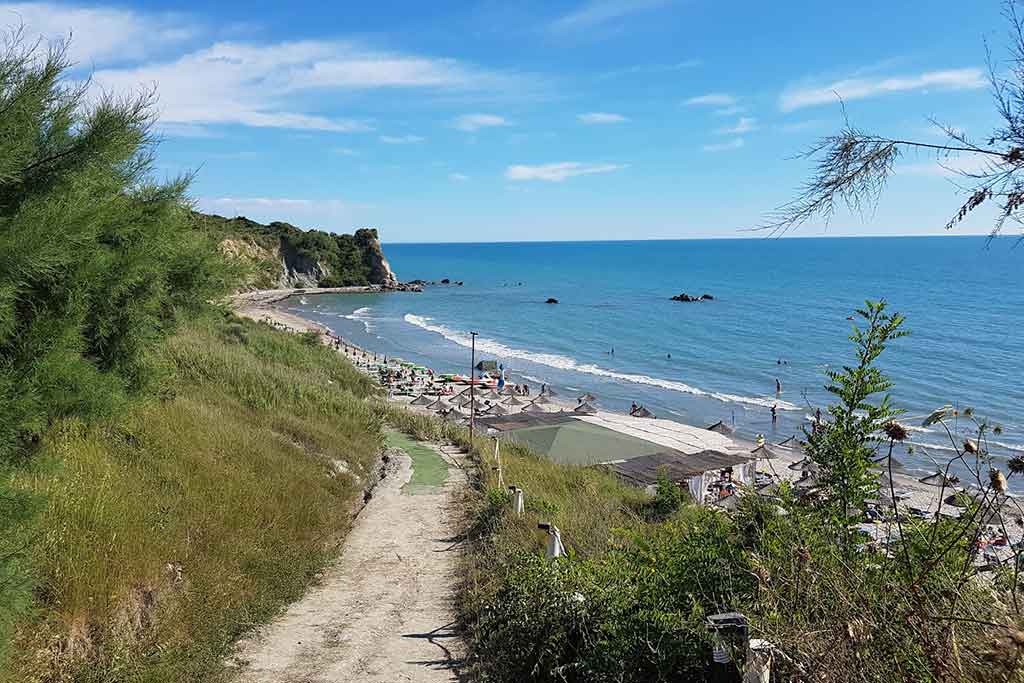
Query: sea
[[781, 311]]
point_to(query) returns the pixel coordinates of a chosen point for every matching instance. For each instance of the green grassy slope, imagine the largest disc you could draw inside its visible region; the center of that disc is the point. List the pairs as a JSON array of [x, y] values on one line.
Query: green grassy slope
[[166, 533]]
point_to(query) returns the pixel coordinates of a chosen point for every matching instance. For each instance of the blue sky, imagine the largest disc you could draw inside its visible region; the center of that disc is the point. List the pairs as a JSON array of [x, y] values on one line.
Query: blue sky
[[485, 121]]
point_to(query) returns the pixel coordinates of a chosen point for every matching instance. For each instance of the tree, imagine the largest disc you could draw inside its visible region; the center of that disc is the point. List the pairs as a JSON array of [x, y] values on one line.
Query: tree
[[96, 259], [843, 447], [851, 167]]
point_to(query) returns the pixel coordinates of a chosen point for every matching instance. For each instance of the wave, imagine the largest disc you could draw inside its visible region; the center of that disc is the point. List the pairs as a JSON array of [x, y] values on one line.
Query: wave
[[360, 315], [500, 350]]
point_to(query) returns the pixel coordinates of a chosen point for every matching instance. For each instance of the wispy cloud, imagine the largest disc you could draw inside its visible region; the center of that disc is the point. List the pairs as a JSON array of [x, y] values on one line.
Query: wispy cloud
[[259, 85], [558, 172], [724, 146], [715, 99], [951, 167], [100, 34], [330, 214], [474, 122], [599, 117], [862, 88], [746, 124], [458, 177], [729, 111], [401, 139], [639, 69], [598, 12], [345, 151]]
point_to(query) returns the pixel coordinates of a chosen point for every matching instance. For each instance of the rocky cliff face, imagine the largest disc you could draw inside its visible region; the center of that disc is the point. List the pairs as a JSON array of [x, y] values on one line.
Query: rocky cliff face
[[285, 256], [380, 272]]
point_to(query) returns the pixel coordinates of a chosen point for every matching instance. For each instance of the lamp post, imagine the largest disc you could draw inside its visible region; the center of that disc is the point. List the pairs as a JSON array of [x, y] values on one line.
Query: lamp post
[[472, 383]]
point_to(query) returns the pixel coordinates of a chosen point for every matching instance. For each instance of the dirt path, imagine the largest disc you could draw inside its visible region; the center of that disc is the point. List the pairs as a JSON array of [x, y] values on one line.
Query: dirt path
[[382, 611]]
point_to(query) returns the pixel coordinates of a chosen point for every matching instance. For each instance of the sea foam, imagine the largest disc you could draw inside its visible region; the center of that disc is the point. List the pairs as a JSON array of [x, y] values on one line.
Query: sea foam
[[496, 348]]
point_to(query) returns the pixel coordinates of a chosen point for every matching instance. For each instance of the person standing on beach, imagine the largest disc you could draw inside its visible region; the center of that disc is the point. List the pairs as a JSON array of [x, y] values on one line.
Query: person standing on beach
[[775, 414]]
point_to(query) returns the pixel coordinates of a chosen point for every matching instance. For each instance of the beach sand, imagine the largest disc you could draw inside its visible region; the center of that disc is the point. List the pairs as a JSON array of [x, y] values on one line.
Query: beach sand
[[912, 493]]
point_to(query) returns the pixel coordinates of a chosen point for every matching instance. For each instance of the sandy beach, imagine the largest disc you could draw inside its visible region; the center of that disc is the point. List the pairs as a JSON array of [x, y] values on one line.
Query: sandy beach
[[914, 497]]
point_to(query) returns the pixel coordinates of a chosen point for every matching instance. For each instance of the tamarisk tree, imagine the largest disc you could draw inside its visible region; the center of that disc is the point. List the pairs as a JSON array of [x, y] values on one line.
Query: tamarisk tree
[[851, 167]]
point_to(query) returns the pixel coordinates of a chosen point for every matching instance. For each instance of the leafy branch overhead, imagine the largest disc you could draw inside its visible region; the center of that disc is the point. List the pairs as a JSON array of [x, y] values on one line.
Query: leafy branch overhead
[[852, 167]]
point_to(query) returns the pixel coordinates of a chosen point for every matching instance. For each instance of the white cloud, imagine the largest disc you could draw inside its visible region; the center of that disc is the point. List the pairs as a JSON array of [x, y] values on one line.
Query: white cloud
[[345, 151], [597, 12], [599, 117], [334, 215], [951, 167], [799, 126], [401, 139], [558, 172], [715, 99], [724, 146], [474, 122], [746, 124], [264, 85], [861, 88], [98, 34], [651, 69], [729, 111], [458, 177]]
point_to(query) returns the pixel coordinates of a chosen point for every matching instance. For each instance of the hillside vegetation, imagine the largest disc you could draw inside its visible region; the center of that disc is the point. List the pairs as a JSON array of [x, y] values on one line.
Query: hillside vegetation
[[282, 255], [169, 476]]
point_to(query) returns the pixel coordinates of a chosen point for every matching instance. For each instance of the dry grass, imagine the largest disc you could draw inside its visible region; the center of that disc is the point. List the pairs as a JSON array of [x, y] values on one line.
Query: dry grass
[[173, 530]]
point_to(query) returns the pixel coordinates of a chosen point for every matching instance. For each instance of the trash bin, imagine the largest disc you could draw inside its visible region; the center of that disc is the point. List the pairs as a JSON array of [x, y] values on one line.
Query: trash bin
[[729, 639]]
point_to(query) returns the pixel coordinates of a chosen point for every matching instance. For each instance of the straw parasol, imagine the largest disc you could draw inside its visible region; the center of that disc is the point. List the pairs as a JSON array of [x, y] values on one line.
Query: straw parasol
[[541, 400], [533, 408], [585, 409], [721, 428], [586, 398], [938, 479], [513, 401], [497, 409], [763, 453], [436, 405], [791, 442], [809, 480], [421, 400], [805, 465], [883, 463], [642, 412]]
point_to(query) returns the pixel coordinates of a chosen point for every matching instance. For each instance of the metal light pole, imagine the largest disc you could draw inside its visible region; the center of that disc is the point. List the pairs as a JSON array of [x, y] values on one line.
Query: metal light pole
[[472, 383]]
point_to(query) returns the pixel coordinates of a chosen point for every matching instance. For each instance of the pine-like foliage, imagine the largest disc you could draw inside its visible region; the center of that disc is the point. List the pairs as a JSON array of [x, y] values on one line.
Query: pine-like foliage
[[844, 446], [95, 258]]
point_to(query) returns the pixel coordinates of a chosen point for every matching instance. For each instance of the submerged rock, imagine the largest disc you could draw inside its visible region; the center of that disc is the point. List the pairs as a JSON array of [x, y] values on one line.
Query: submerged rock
[[551, 301], [687, 298]]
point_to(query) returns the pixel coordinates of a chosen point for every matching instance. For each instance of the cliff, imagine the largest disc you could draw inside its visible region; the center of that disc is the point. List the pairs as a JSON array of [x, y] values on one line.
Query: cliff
[[281, 255]]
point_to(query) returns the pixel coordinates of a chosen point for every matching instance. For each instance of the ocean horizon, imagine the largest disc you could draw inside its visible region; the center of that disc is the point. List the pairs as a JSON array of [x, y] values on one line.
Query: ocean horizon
[[780, 312]]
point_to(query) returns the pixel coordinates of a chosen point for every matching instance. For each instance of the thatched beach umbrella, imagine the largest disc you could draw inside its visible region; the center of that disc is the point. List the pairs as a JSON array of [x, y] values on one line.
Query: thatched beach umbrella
[[421, 400], [541, 400], [938, 479], [513, 401], [805, 465], [642, 412], [497, 409], [721, 428], [586, 398], [809, 480], [585, 409], [763, 453], [533, 408], [436, 405], [882, 462]]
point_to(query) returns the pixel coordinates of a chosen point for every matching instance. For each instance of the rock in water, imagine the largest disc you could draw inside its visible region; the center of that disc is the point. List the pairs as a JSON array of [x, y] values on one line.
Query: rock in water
[[551, 301]]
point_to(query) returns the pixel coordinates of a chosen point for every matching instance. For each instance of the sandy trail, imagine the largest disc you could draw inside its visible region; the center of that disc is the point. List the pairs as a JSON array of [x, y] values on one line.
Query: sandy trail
[[382, 611]]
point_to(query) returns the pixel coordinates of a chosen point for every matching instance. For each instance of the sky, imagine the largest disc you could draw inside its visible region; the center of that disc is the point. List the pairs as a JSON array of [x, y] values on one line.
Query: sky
[[506, 120]]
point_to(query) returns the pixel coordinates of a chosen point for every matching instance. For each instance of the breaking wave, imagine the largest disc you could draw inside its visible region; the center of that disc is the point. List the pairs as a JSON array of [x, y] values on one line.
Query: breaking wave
[[500, 350]]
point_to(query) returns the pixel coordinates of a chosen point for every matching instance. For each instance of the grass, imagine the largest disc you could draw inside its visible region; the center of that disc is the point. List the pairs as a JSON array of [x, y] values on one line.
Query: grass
[[169, 532], [429, 470]]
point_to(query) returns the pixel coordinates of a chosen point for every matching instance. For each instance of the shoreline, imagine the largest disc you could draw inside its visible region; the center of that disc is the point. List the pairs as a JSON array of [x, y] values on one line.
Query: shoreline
[[913, 494]]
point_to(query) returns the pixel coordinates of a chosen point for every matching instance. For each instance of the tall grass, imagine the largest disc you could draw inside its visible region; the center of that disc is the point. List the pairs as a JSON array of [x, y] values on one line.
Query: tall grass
[[172, 530]]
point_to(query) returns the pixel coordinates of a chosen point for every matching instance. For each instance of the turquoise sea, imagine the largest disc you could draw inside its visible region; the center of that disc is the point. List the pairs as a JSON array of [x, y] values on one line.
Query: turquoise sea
[[780, 312]]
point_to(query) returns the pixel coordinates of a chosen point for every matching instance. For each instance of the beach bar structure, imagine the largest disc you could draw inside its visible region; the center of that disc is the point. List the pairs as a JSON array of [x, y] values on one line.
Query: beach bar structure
[[635, 449]]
